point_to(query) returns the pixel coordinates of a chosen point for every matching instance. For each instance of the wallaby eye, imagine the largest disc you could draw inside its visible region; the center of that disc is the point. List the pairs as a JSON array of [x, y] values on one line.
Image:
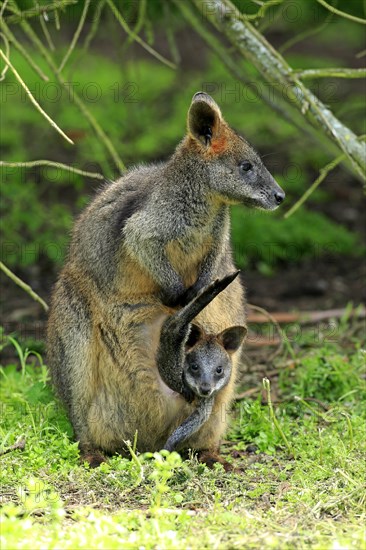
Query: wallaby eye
[[194, 367], [246, 166], [219, 370]]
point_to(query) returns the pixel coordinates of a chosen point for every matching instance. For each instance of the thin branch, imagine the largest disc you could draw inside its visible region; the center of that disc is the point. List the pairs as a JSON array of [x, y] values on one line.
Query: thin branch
[[323, 174], [305, 34], [170, 34], [33, 100], [306, 317], [275, 323], [137, 38], [34, 12], [76, 35], [22, 50], [74, 96], [19, 445], [7, 49], [23, 286], [262, 10], [46, 32], [253, 46], [360, 54], [57, 20], [140, 20], [52, 164], [3, 6], [330, 73], [342, 13], [94, 25]]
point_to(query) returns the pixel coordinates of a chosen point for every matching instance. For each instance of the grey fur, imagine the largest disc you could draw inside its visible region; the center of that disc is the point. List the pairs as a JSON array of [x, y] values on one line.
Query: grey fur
[[155, 237]]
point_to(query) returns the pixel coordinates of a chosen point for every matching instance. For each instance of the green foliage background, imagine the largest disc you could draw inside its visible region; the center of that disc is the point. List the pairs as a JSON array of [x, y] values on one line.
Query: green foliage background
[[300, 463], [142, 104]]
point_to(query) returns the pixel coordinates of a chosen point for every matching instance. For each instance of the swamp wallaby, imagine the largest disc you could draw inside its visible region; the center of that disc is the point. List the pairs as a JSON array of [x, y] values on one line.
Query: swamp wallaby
[[150, 240], [199, 362]]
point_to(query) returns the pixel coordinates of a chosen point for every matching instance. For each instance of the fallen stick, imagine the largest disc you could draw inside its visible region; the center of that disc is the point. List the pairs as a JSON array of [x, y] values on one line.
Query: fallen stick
[[254, 341], [19, 445], [307, 317]]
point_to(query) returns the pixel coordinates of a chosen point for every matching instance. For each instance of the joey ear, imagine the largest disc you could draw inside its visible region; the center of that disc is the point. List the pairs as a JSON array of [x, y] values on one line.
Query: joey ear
[[232, 337], [204, 117], [195, 334]]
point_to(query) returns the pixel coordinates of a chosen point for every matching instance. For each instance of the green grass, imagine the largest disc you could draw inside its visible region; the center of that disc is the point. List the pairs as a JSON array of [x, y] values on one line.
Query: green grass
[[308, 496]]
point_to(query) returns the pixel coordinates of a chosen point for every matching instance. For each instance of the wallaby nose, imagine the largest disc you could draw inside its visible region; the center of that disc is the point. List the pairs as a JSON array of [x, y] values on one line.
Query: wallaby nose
[[279, 196]]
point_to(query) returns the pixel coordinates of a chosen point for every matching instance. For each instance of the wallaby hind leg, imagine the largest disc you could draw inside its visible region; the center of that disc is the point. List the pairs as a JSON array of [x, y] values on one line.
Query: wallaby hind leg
[[210, 458], [94, 457]]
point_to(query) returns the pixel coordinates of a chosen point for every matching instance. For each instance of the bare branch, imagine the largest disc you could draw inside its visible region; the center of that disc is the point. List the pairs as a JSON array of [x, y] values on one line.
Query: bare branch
[[3, 6], [39, 10], [46, 32], [18, 445], [33, 100], [342, 13], [75, 97], [323, 174], [23, 285], [10, 36], [57, 20], [331, 73], [299, 37], [137, 38], [262, 10], [76, 35], [94, 25], [274, 321], [52, 164], [7, 49]]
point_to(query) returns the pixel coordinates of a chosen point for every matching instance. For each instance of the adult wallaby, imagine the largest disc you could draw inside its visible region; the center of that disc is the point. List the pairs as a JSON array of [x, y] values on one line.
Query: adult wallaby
[[194, 363], [152, 239]]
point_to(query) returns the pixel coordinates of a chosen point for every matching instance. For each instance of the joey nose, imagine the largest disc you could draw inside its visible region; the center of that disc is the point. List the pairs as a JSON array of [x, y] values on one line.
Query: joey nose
[[279, 196], [205, 390]]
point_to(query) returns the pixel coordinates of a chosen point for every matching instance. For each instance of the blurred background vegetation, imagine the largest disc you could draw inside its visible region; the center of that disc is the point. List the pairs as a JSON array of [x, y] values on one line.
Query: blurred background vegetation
[[141, 105]]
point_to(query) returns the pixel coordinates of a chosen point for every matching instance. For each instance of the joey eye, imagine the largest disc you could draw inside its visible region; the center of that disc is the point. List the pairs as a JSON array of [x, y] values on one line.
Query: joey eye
[[246, 166], [219, 370], [194, 367]]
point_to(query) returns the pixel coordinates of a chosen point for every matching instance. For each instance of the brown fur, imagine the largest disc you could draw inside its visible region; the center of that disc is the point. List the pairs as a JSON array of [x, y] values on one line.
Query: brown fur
[[140, 244]]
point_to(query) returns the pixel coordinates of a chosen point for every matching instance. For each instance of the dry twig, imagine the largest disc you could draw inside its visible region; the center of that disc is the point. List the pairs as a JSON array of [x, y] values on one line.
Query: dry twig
[[52, 164], [75, 38], [33, 100], [23, 285], [19, 445]]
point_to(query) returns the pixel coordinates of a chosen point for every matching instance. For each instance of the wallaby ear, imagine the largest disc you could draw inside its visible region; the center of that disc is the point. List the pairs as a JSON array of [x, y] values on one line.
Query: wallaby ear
[[232, 337], [204, 117], [195, 334]]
